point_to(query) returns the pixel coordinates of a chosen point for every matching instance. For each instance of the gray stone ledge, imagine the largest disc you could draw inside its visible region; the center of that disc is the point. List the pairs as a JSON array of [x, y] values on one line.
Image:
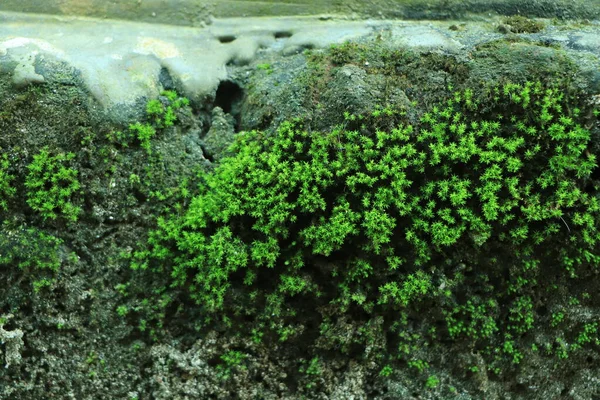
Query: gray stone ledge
[[199, 12]]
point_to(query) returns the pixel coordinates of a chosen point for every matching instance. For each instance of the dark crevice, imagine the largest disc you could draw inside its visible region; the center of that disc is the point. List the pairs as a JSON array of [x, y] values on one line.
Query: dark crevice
[[520, 388], [542, 311], [228, 94], [165, 79], [207, 154], [229, 97], [306, 46], [282, 34], [237, 62], [226, 38], [595, 174], [593, 183], [139, 196], [265, 122]]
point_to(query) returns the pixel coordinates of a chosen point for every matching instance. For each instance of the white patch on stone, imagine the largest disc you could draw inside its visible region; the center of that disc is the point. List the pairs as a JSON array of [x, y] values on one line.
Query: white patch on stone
[[424, 37], [24, 73], [23, 41], [157, 47], [588, 41]]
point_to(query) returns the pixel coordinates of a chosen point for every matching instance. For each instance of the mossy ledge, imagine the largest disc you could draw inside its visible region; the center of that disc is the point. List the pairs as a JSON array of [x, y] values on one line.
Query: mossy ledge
[[458, 230]]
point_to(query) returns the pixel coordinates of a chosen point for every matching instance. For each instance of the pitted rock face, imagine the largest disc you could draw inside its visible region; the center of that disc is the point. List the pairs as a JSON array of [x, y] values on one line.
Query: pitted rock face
[[121, 63]]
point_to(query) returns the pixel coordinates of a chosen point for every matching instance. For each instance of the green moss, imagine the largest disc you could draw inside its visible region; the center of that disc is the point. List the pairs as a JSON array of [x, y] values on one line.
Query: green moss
[[52, 186], [6, 189], [372, 218], [57, 114], [417, 74], [432, 382], [402, 76], [144, 134], [520, 24], [161, 115], [232, 360], [268, 68], [386, 371], [33, 252], [29, 249]]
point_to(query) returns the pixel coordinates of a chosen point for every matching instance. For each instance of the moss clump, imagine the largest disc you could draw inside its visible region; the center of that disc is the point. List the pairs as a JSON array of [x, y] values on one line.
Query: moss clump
[[34, 252], [29, 249], [365, 225], [162, 113], [520, 24], [52, 185], [402, 77]]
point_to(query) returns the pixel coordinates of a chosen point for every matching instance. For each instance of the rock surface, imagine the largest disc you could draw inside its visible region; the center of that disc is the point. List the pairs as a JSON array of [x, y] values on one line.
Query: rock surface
[[122, 64], [69, 82]]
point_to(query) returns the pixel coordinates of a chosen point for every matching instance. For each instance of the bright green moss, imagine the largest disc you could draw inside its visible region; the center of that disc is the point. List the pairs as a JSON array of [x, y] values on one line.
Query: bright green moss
[[144, 134], [372, 221], [231, 361], [160, 114], [52, 186], [432, 382], [163, 115]]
